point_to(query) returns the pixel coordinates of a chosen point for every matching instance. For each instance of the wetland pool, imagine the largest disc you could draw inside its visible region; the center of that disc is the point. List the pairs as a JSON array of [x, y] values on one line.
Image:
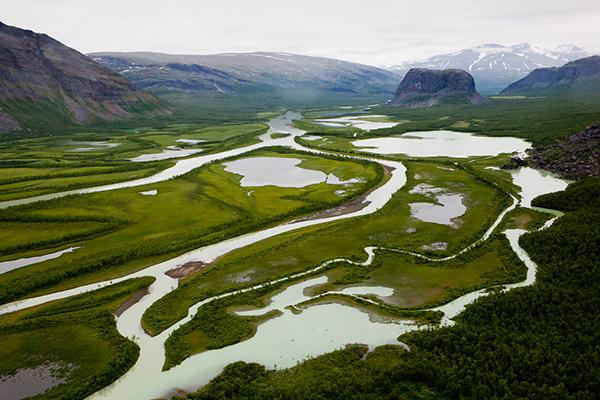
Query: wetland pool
[[362, 122], [280, 171], [442, 144]]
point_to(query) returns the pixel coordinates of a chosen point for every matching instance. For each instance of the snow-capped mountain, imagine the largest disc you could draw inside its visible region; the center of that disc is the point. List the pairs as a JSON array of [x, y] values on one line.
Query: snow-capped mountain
[[495, 66]]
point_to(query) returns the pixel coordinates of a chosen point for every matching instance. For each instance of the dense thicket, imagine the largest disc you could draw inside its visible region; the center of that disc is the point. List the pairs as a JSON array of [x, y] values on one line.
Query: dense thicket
[[538, 342], [342, 374]]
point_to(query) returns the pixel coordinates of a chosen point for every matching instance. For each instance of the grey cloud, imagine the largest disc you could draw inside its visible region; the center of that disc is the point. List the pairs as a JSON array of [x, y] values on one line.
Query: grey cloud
[[376, 32]]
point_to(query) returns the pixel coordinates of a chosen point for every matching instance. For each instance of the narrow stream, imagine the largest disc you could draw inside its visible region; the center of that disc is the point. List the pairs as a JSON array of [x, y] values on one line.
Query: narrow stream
[[6, 266]]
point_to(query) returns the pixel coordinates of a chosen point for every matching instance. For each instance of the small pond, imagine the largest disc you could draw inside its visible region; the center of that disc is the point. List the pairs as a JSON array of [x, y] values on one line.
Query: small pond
[[447, 205], [280, 171], [27, 382], [363, 122]]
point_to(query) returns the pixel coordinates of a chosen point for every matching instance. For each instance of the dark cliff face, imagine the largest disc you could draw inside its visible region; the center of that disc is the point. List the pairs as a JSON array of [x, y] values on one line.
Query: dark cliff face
[[425, 87], [547, 78], [36, 69]]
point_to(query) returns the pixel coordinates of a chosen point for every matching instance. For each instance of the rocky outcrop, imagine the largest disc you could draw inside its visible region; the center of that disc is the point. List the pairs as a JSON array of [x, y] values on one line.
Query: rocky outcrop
[[581, 70], [8, 123], [426, 87], [42, 80], [577, 156]]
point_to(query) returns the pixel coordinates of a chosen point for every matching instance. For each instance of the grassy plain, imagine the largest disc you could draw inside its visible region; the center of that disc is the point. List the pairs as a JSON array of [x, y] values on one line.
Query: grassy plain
[[36, 166], [126, 231], [419, 284]]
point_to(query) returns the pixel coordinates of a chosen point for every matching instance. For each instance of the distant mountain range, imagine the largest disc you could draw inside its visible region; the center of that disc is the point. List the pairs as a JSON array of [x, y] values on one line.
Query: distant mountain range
[[289, 77], [585, 70], [495, 66], [45, 83], [426, 87]]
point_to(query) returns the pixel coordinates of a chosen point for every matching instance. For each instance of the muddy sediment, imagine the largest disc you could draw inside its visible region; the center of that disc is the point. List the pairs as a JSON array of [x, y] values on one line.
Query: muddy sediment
[[186, 269], [27, 382], [131, 301]]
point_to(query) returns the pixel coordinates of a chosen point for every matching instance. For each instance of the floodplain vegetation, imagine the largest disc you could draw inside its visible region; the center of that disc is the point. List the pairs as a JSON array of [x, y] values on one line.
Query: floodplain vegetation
[[535, 342], [77, 334], [43, 165], [417, 284], [122, 231], [538, 118], [538, 342]]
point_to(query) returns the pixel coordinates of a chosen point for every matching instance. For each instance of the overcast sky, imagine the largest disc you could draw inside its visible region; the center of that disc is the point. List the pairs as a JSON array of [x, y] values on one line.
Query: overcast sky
[[378, 32]]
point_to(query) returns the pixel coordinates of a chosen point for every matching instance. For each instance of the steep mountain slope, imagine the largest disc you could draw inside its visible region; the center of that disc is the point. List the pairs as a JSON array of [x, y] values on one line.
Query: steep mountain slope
[[43, 82], [290, 77], [495, 66], [427, 87], [583, 71]]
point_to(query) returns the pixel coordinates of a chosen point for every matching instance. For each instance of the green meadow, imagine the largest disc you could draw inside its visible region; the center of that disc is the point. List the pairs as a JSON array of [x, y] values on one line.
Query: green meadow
[[123, 231], [37, 166], [392, 226]]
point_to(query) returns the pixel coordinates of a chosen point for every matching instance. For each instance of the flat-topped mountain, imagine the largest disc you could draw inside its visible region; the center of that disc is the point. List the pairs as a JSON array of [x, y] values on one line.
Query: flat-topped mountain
[[582, 70], [426, 87], [284, 76], [43, 82], [495, 66]]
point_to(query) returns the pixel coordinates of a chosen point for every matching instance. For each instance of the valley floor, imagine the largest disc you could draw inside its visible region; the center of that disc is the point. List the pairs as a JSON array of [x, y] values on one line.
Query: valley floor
[[203, 265]]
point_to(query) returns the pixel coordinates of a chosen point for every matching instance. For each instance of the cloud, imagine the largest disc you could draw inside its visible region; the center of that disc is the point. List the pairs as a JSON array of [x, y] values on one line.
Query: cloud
[[376, 32]]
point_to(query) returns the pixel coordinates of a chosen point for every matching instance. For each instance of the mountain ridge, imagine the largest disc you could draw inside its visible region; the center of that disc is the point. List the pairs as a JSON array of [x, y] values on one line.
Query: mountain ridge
[[286, 74], [42, 81], [495, 66], [581, 70]]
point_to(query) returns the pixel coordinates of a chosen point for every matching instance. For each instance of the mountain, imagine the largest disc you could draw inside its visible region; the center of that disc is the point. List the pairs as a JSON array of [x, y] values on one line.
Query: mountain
[[495, 66], [287, 77], [584, 71], [426, 87], [45, 83]]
